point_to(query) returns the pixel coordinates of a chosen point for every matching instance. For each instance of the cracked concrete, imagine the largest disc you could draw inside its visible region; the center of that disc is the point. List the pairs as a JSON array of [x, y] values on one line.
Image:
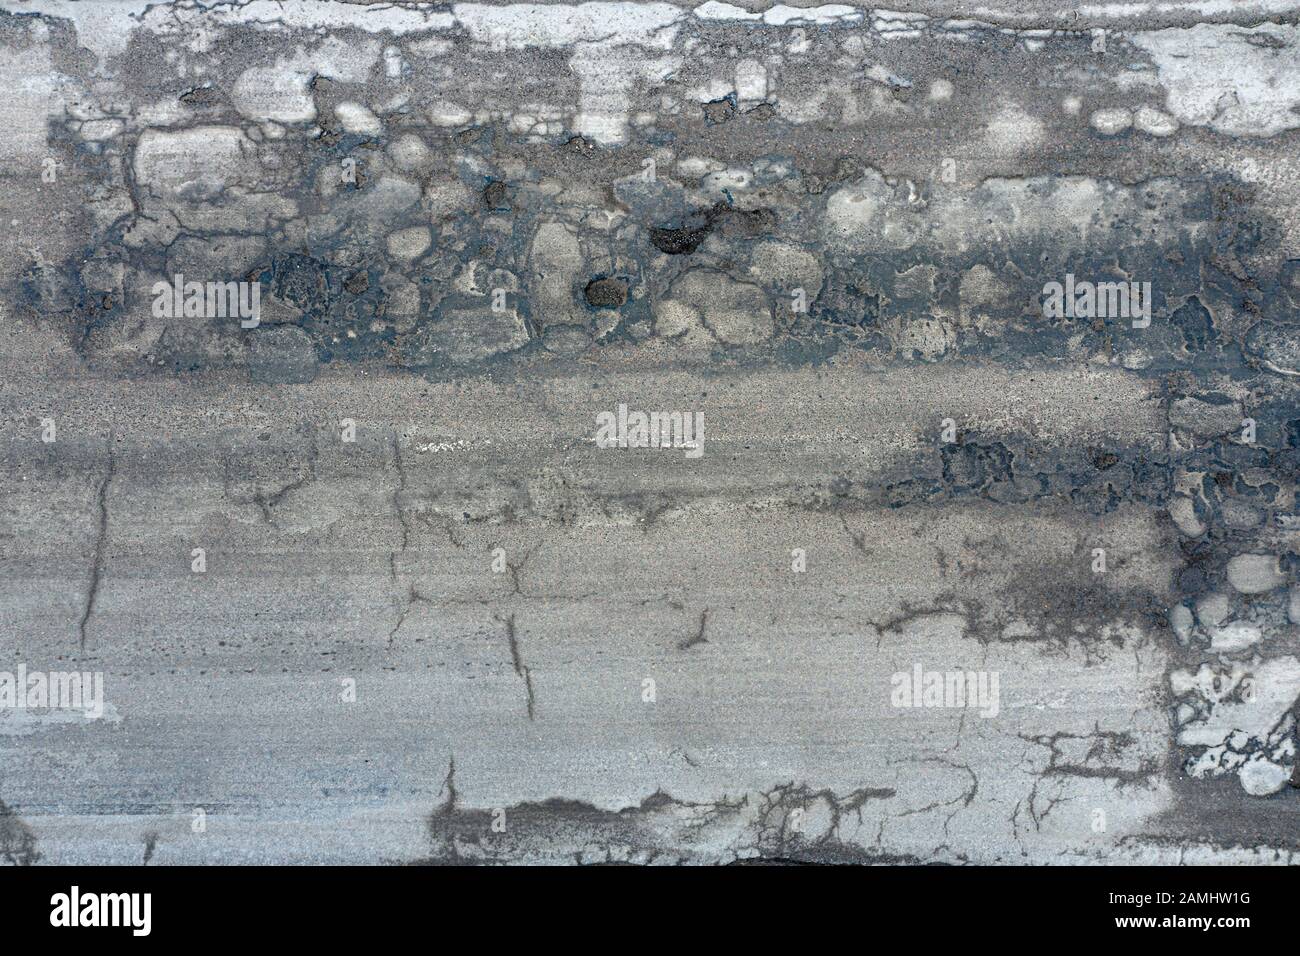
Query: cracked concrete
[[932, 572]]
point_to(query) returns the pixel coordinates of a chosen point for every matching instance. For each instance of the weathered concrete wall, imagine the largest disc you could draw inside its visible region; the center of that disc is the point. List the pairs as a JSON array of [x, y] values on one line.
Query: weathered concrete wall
[[363, 583]]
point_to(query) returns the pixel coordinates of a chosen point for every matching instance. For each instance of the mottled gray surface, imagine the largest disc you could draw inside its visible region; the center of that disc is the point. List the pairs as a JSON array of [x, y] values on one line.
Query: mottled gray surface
[[436, 620]]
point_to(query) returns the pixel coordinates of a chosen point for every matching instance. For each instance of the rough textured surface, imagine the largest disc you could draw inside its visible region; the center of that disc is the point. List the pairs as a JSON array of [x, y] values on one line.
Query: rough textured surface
[[365, 583]]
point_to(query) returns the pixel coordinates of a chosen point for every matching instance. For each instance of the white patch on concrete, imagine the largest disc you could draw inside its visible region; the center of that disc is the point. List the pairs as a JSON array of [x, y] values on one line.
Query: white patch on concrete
[[1154, 122], [194, 162], [1261, 777], [407, 244], [605, 82], [105, 26], [1213, 609], [1216, 77], [713, 10], [892, 25], [727, 182], [21, 722], [780, 15], [446, 115], [1111, 122], [875, 214], [34, 94], [325, 15], [1255, 573], [409, 153], [751, 82], [1204, 8], [282, 94], [520, 26], [1012, 131], [1183, 511], [1234, 637], [356, 118], [274, 93], [1240, 713]]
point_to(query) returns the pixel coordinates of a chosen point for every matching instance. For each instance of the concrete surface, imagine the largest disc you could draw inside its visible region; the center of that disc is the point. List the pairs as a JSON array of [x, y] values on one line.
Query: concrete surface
[[362, 577]]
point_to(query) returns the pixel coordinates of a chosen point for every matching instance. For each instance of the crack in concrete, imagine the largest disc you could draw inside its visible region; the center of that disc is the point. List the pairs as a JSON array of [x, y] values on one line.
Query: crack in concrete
[[698, 637], [101, 543], [521, 669]]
